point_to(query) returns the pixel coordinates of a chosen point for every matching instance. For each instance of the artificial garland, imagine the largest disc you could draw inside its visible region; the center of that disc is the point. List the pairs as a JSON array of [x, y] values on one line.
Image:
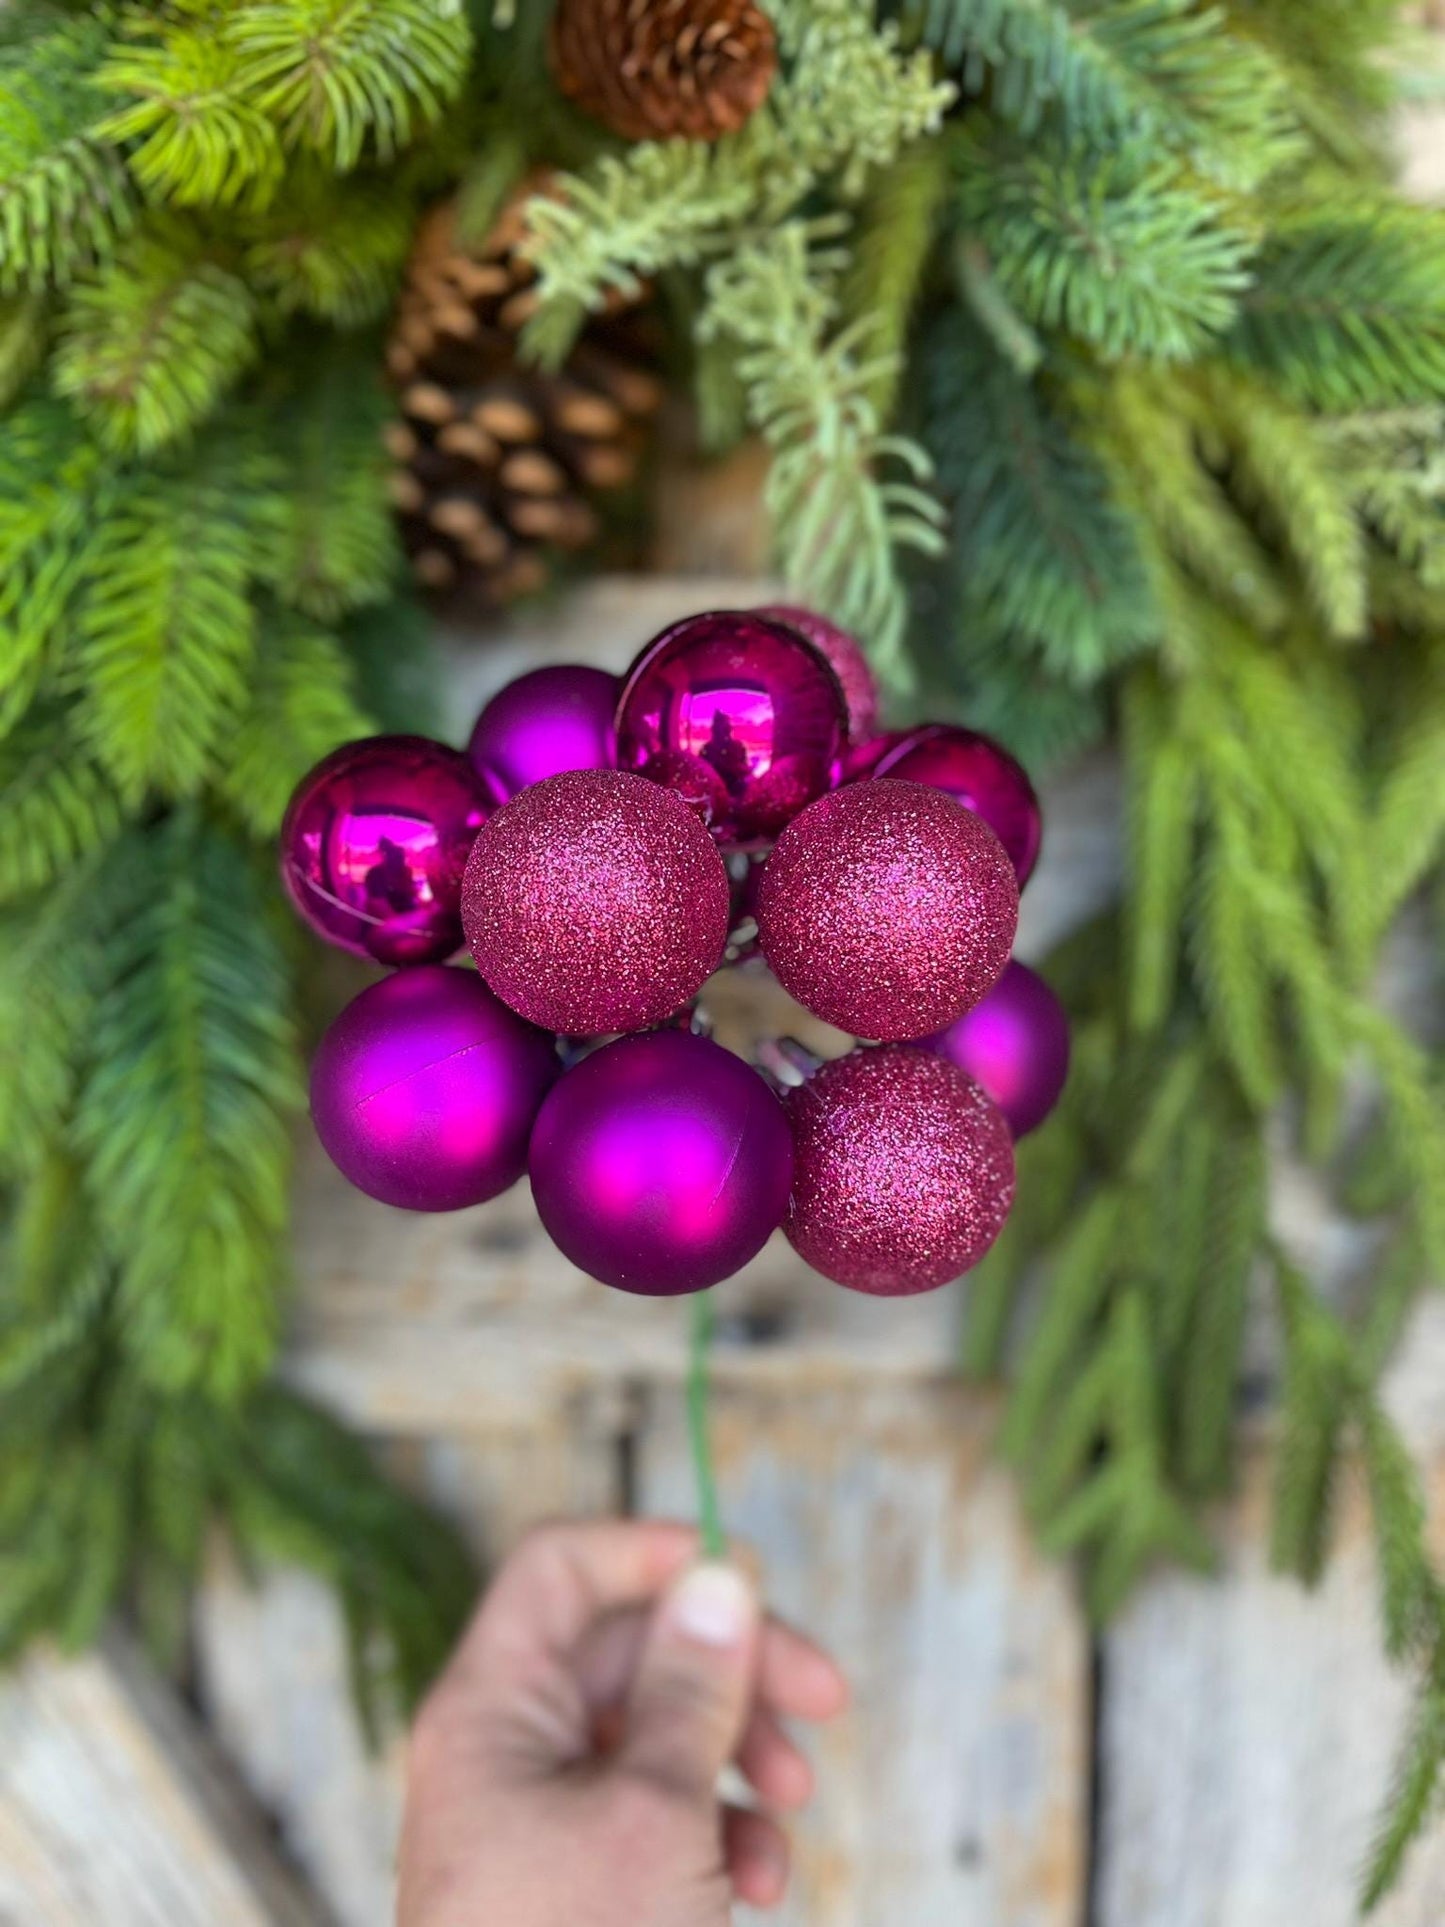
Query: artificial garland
[[1090, 335]]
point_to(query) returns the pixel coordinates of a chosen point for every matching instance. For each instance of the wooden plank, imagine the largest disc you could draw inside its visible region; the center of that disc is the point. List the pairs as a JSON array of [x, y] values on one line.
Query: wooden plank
[[272, 1660], [1249, 1729], [954, 1792], [113, 1809]]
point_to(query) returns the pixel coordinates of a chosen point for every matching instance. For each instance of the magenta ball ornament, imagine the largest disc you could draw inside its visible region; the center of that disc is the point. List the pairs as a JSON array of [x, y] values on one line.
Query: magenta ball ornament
[[844, 655], [375, 842], [979, 773], [903, 1171], [425, 1089], [887, 909], [550, 720], [1015, 1043], [661, 1163], [862, 758], [595, 902], [738, 713]]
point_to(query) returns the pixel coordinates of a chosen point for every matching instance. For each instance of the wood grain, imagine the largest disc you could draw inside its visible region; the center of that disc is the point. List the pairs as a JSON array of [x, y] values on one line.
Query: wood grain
[[114, 1809], [954, 1791]]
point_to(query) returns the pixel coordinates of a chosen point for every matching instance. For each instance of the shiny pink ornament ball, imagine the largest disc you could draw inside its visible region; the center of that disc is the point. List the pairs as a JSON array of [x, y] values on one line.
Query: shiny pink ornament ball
[[595, 902], [1015, 1043], [844, 655], [887, 909], [425, 1089], [661, 1163], [979, 773], [903, 1171], [740, 715], [374, 845]]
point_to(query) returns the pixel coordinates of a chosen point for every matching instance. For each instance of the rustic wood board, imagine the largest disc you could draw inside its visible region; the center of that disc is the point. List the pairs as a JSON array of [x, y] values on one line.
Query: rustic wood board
[[113, 1809], [272, 1664], [954, 1791]]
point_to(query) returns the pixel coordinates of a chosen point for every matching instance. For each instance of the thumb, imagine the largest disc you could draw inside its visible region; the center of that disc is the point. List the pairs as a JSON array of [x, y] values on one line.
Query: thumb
[[694, 1683]]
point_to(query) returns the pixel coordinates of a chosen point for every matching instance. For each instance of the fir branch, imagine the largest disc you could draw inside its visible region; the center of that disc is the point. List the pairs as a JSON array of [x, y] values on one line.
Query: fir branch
[[46, 999], [183, 1118], [165, 630], [64, 196], [148, 349], [838, 518], [332, 252], [1413, 1798], [1408, 835], [24, 323], [1155, 73], [56, 805], [1134, 259], [889, 255], [302, 705], [339, 75], [1162, 818], [194, 137], [1234, 1227], [1347, 308]]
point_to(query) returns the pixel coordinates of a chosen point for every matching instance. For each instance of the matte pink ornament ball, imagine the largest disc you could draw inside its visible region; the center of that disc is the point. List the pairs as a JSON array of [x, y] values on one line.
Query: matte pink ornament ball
[[595, 902], [374, 845], [741, 715], [979, 773], [844, 655], [1015, 1043], [425, 1089], [903, 1171], [887, 909], [661, 1163], [552, 719]]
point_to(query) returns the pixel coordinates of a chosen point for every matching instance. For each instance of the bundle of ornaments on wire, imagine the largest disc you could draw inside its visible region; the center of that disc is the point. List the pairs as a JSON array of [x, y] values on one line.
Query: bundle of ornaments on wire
[[603, 846]]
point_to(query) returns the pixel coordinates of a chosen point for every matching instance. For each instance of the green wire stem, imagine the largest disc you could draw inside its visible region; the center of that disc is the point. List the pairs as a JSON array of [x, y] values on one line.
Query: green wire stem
[[714, 1544]]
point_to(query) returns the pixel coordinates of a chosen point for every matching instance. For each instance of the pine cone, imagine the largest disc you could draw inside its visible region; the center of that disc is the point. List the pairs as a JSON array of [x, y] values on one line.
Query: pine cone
[[655, 69], [498, 463]]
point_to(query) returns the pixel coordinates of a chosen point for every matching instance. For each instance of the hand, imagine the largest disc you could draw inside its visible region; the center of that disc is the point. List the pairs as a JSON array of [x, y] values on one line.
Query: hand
[[564, 1771]]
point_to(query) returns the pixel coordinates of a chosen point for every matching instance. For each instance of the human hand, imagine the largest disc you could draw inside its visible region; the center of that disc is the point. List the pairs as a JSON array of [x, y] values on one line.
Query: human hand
[[564, 1771]]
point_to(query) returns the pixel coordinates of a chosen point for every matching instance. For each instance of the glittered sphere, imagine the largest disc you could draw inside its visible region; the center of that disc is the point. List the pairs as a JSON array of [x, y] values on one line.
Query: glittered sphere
[[1015, 1043], [887, 909], [661, 1163], [595, 902], [551, 720], [979, 773], [425, 1089], [740, 715], [844, 655], [374, 845], [903, 1171]]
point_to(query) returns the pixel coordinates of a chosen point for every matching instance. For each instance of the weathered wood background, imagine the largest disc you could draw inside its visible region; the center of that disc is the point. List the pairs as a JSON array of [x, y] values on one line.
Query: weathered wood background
[[1215, 1761]]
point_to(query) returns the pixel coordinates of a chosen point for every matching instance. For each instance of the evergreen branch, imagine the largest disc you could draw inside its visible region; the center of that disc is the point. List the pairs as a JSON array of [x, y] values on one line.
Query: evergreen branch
[[183, 1118], [1234, 1227], [1413, 1798], [165, 629], [301, 707], [331, 252], [1166, 73], [148, 350], [889, 256], [1134, 259], [1347, 309], [194, 137], [46, 999], [1162, 819], [838, 515], [56, 805], [1409, 829], [24, 322], [64, 197], [339, 74]]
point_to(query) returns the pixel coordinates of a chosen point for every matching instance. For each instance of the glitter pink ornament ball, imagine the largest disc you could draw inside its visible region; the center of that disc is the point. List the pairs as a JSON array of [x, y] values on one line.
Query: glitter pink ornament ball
[[740, 715], [844, 655], [887, 909], [595, 902], [661, 1164], [374, 845], [553, 719], [903, 1171], [425, 1089], [979, 773], [1015, 1043]]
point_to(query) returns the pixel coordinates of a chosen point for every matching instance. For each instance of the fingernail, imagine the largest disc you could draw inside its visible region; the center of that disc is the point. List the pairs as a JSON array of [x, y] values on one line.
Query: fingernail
[[713, 1605]]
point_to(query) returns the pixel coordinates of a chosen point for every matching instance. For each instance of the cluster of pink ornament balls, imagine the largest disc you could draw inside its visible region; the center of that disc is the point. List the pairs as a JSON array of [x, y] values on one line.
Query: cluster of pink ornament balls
[[603, 846]]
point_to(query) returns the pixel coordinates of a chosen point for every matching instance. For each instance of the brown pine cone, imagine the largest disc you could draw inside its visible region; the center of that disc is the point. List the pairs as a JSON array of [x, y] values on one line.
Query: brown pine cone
[[656, 69], [499, 464]]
